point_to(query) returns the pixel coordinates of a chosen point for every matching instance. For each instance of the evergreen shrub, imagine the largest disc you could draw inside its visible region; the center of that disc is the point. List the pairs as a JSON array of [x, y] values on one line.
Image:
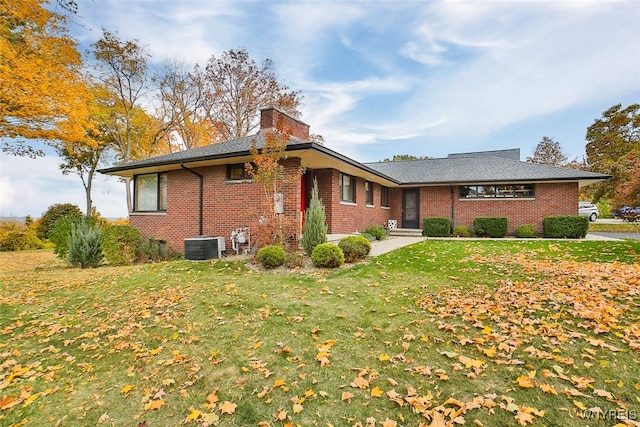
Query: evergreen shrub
[[526, 231], [354, 248], [84, 245], [461, 231], [271, 256], [436, 227], [490, 226], [314, 231], [570, 227], [327, 255]]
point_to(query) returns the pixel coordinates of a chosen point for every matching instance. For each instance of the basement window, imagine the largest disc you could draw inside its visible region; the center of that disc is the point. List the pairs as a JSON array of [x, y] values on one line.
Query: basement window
[[150, 192]]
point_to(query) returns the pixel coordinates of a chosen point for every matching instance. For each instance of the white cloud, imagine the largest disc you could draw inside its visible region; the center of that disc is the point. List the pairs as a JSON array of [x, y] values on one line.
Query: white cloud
[[30, 186]]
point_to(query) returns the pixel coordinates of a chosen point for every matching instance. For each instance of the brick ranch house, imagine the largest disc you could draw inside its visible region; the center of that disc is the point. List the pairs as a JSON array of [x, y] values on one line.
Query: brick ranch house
[[206, 192]]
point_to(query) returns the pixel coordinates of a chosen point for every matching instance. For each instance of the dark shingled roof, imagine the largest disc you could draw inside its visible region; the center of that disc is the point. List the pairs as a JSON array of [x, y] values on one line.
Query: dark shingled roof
[[465, 168], [230, 148], [480, 169]]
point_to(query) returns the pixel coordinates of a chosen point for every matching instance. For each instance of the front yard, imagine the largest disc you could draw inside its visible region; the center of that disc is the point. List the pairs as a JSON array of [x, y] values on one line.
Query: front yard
[[444, 332]]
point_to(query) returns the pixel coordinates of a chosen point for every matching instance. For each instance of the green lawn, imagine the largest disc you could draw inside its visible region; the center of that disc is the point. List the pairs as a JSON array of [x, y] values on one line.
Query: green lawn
[[444, 332]]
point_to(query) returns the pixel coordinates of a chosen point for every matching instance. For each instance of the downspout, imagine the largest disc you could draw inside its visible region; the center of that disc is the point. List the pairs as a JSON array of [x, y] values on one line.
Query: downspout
[[201, 193], [452, 206]]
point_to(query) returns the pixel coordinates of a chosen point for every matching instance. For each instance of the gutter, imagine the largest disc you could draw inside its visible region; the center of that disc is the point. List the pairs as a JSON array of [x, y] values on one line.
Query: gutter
[[201, 213]]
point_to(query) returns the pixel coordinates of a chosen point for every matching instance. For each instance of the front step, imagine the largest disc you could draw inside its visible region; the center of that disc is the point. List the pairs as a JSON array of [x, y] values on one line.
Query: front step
[[404, 232]]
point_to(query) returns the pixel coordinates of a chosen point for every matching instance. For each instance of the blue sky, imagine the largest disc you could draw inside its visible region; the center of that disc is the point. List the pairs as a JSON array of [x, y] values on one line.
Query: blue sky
[[384, 77]]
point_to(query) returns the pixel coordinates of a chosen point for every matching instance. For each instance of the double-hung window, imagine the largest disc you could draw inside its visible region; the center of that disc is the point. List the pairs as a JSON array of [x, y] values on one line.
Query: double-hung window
[[368, 191], [150, 192], [384, 196], [347, 188]]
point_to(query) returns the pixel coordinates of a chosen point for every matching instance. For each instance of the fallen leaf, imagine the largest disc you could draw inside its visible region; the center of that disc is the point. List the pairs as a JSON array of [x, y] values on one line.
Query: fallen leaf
[[154, 404], [227, 407]]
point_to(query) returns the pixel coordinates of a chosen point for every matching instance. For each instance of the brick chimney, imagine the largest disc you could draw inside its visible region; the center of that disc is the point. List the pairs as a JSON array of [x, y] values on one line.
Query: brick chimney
[[272, 118]]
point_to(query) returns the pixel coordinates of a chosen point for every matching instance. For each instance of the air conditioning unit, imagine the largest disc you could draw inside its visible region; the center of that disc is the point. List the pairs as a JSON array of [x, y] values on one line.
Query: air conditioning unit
[[203, 248]]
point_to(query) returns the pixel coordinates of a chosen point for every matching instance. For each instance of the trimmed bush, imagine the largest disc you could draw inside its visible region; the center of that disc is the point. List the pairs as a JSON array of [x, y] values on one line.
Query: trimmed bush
[[461, 231], [570, 227], [314, 230], [436, 227], [84, 245], [377, 231], [327, 255], [526, 231], [121, 244], [490, 226], [51, 216], [354, 248], [271, 256], [294, 260]]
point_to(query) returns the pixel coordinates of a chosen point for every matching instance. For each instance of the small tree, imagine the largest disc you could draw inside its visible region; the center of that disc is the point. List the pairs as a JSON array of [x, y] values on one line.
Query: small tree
[[548, 152], [84, 245], [268, 226], [314, 231]]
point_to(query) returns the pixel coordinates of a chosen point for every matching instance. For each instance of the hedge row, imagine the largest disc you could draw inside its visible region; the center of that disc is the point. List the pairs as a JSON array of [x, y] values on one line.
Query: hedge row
[[571, 227]]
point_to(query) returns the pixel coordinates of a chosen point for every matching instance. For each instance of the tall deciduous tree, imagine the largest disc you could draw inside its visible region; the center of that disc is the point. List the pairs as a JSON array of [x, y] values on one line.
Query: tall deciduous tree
[[182, 106], [610, 141], [83, 157], [548, 152], [42, 93], [123, 71], [237, 87]]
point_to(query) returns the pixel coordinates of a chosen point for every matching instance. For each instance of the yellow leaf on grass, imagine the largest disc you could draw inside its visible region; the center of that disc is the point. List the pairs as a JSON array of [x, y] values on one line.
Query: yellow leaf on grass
[[193, 415], [548, 388], [384, 357], [278, 383], [228, 407], [580, 405], [297, 408], [126, 389], [154, 404], [469, 362], [489, 352], [525, 381], [377, 392]]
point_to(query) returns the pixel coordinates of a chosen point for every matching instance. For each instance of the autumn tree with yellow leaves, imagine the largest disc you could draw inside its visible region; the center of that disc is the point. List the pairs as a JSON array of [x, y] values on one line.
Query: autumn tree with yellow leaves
[[42, 91]]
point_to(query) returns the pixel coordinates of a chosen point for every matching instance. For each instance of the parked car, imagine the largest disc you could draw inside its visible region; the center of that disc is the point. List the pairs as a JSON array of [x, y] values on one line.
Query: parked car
[[588, 209], [627, 213]]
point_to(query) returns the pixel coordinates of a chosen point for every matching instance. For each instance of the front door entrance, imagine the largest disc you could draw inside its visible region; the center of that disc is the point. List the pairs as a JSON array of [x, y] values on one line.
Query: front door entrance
[[411, 208]]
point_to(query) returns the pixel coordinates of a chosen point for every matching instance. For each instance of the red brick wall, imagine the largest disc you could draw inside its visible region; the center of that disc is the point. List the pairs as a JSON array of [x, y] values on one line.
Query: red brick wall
[[227, 205], [271, 118], [550, 199], [343, 217]]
